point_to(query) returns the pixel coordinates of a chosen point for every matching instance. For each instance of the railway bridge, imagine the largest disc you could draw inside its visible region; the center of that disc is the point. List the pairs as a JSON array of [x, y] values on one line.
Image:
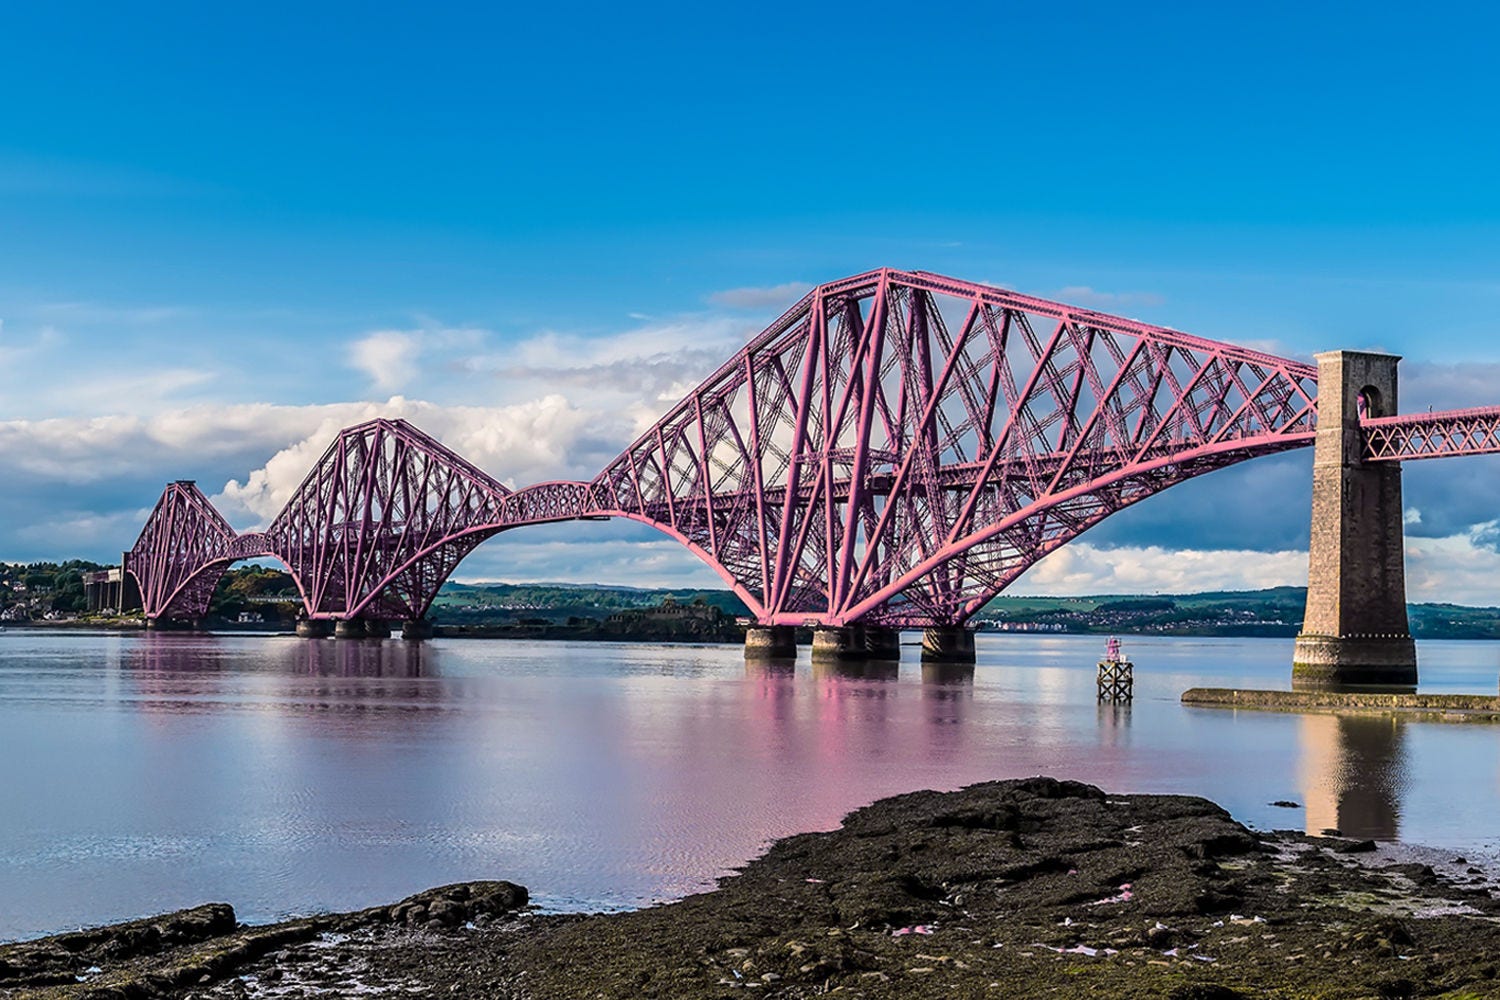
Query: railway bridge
[[891, 453]]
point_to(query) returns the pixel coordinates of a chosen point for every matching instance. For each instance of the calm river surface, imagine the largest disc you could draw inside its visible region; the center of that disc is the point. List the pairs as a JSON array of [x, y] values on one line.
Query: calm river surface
[[142, 772]]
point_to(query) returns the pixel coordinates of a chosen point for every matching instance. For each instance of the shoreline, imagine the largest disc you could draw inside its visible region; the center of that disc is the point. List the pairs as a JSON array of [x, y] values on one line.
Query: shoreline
[[1014, 888], [1477, 708], [564, 633]]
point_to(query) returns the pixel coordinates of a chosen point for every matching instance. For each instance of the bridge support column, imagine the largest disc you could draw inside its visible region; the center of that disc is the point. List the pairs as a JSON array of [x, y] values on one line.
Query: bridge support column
[[174, 624], [948, 644], [349, 628], [377, 629], [771, 642], [856, 642], [417, 629], [1355, 633], [315, 628]]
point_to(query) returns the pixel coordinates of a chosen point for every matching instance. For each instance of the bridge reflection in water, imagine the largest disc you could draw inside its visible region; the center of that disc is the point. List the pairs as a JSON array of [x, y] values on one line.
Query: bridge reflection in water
[[1353, 774], [187, 654], [1352, 771]]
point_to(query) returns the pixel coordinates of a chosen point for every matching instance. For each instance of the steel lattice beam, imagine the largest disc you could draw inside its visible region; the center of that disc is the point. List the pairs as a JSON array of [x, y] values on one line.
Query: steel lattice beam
[[1432, 435]]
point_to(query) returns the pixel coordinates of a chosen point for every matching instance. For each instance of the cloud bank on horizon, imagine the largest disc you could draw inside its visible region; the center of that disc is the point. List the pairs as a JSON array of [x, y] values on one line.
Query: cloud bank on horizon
[[226, 234]]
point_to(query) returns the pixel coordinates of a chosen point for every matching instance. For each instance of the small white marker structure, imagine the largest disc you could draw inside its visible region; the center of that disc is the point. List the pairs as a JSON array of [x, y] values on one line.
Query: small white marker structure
[[1116, 673]]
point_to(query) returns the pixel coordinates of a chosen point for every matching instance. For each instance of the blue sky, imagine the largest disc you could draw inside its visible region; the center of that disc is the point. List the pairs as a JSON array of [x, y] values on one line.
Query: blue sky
[[224, 231]]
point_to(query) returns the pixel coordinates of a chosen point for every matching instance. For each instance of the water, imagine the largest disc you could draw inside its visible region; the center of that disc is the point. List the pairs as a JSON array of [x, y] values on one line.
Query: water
[[143, 772]]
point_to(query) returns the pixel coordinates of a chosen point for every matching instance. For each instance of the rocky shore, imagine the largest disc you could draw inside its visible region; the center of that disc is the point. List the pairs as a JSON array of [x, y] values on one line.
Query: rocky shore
[[1008, 889]]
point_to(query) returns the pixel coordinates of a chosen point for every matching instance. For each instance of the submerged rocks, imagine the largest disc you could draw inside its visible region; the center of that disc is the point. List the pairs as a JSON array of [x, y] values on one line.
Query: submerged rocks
[[1016, 888], [453, 905], [57, 959], [182, 952]]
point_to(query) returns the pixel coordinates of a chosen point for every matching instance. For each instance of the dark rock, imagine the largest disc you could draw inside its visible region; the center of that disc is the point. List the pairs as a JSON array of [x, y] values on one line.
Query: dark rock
[[1217, 900], [1418, 873], [1226, 844], [1395, 989], [1354, 846], [1002, 817], [1386, 936], [1286, 804], [1162, 937], [447, 913], [1204, 991]]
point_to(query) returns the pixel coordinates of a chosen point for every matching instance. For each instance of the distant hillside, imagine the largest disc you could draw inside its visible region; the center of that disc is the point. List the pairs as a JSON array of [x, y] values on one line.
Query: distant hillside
[[502, 603], [1273, 612]]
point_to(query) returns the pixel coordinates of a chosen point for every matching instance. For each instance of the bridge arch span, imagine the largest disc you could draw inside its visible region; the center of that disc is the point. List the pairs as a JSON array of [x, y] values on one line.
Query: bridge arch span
[[898, 447]]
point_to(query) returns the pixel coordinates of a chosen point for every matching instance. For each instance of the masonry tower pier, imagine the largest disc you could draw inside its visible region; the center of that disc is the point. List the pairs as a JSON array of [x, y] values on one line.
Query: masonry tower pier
[[1355, 633]]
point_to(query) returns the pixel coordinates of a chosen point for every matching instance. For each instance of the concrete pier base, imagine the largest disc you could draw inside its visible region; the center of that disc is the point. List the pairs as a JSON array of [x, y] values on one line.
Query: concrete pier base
[[173, 624], [315, 628], [349, 628], [770, 642], [375, 629], [1354, 663], [417, 629], [1355, 634], [856, 642], [948, 644]]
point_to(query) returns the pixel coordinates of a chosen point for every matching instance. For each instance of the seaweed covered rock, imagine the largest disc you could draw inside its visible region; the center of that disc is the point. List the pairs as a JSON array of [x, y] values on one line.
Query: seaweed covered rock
[[1036, 887], [1029, 888]]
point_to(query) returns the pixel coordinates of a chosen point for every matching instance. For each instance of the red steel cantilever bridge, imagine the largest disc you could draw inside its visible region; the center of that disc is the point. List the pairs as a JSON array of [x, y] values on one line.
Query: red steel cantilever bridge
[[893, 451]]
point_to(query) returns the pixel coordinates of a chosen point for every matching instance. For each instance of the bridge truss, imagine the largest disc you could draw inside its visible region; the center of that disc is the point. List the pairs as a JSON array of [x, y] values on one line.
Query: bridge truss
[[895, 449]]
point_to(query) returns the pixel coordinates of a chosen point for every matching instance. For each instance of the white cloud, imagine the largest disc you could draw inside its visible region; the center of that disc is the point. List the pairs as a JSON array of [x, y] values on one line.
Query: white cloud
[[391, 358], [1079, 568], [1425, 384], [782, 296], [643, 364], [1092, 298], [107, 314], [154, 385], [552, 351], [654, 364], [387, 356], [1458, 569], [548, 438], [589, 554], [12, 351], [67, 533]]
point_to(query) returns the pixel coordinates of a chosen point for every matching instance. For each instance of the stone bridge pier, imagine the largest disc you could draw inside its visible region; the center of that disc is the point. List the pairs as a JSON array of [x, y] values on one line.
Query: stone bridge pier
[[1355, 634]]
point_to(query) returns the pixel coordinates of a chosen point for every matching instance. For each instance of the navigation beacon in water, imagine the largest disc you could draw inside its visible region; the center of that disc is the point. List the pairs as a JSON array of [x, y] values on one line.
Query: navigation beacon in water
[[1115, 673]]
